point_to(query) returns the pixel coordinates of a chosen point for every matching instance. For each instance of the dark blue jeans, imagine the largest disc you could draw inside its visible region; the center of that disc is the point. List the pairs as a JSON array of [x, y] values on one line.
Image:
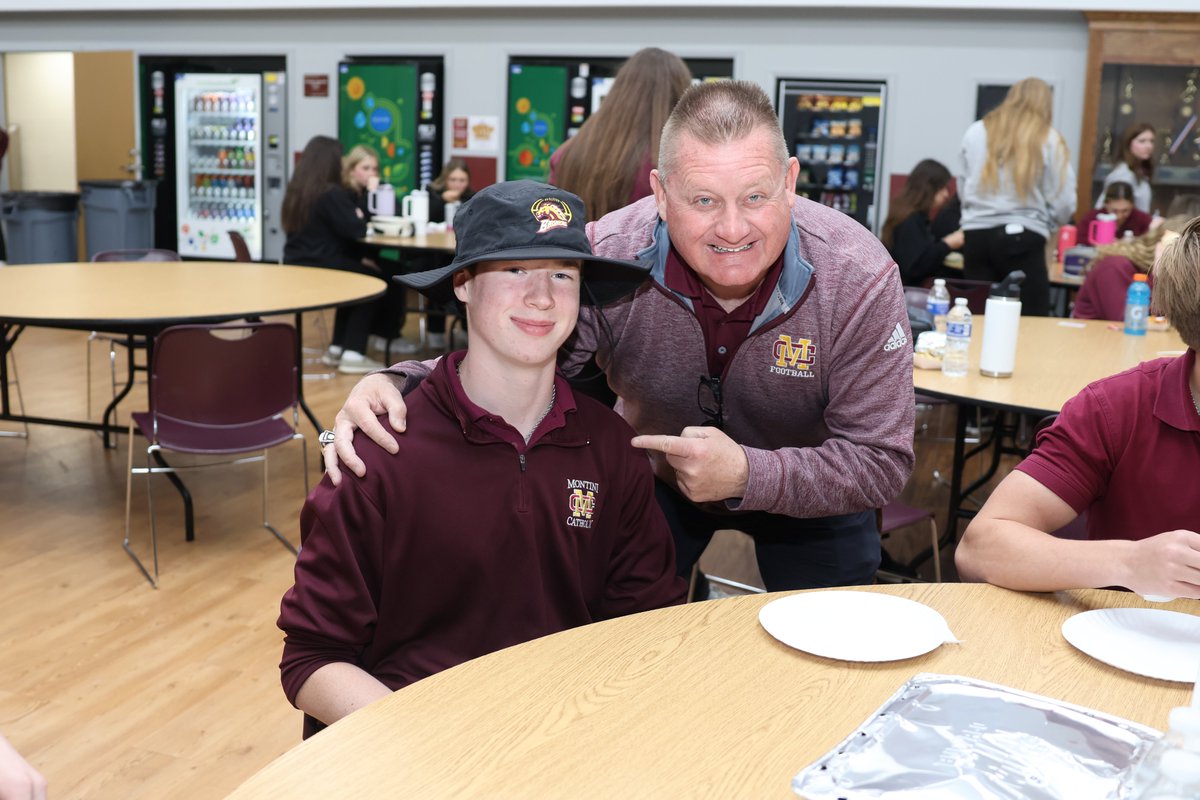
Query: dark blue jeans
[[792, 553]]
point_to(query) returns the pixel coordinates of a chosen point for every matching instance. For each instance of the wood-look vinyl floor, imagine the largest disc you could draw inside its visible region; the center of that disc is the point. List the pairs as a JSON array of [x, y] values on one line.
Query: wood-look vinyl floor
[[114, 689]]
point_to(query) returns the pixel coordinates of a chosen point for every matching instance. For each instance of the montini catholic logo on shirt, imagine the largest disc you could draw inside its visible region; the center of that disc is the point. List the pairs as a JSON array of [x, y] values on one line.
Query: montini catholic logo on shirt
[[581, 502], [551, 213], [794, 357]]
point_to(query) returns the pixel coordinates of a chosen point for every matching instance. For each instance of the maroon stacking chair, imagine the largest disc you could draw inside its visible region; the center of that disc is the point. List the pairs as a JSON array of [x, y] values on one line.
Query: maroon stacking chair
[[896, 515], [130, 343], [217, 390], [241, 251]]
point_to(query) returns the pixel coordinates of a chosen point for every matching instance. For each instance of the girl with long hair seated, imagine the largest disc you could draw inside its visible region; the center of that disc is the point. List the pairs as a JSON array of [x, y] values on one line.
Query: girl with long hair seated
[[908, 233]]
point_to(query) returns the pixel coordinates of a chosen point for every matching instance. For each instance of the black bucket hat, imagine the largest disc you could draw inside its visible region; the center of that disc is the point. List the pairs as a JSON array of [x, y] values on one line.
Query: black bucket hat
[[526, 220]]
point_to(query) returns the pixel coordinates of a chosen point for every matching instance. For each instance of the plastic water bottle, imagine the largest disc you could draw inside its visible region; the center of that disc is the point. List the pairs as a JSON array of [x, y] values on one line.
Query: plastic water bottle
[[1171, 768], [1137, 306], [938, 304], [958, 339]]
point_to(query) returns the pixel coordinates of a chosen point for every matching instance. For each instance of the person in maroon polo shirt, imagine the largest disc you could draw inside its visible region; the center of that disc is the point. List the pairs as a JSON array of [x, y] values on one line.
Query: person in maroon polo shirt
[[518, 510], [1126, 450]]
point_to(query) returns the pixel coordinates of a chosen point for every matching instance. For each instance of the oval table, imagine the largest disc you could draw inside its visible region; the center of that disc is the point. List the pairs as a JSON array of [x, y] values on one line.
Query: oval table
[[691, 701]]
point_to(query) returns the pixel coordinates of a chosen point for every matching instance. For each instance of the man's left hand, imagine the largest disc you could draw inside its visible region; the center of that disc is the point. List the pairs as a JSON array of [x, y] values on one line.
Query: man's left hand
[[708, 464]]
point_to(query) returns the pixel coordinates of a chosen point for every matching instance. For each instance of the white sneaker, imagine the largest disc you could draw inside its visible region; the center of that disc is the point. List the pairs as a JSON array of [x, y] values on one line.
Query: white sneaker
[[437, 341], [354, 363], [403, 347], [332, 356]]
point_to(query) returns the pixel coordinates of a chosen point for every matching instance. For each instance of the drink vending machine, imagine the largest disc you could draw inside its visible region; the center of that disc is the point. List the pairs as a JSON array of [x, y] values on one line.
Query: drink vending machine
[[216, 133]]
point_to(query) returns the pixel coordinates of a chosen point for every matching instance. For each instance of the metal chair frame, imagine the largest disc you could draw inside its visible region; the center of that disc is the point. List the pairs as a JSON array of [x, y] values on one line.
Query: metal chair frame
[[130, 343], [154, 451], [16, 382]]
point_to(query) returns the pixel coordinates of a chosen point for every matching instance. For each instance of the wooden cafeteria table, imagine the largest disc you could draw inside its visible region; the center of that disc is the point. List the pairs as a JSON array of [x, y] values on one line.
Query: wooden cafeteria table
[[140, 298], [1056, 359], [691, 701], [439, 241]]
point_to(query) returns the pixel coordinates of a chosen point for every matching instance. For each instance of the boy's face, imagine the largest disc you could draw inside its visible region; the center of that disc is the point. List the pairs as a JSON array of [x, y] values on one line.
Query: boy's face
[[522, 311]]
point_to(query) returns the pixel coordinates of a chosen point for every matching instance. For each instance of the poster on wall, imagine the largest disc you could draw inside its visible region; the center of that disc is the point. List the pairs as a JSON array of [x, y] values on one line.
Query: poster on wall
[[377, 106], [537, 107]]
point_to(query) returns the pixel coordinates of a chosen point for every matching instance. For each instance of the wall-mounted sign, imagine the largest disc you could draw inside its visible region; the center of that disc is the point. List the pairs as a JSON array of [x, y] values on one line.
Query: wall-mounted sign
[[316, 85]]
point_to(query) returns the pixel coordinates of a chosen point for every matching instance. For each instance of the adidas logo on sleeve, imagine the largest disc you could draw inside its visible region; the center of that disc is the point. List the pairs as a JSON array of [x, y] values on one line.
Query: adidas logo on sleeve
[[896, 340]]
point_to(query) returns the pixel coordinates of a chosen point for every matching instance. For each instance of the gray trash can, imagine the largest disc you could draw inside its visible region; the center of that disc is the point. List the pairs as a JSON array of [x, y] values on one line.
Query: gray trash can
[[118, 215], [41, 227]]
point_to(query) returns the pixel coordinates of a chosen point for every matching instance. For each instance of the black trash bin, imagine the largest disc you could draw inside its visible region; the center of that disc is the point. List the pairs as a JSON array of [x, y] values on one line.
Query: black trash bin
[[118, 215], [41, 227]]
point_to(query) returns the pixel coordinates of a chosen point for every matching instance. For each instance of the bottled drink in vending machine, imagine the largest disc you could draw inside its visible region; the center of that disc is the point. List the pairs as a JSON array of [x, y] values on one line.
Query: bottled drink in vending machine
[[958, 339], [938, 304]]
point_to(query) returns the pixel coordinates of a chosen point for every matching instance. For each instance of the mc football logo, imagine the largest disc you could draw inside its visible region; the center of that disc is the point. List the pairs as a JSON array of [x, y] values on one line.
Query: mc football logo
[[794, 357]]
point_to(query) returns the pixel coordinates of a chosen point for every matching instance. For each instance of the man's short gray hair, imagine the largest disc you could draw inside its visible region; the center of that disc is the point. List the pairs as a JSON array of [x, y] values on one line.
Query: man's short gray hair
[[719, 113]]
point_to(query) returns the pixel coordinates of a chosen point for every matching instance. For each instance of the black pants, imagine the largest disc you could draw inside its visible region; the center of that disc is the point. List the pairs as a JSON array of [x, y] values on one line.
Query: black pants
[[792, 553], [990, 254]]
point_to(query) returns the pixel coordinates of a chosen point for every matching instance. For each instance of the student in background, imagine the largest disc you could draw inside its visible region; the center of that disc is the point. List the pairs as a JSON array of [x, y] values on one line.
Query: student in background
[[1118, 201], [452, 185], [360, 175], [1135, 166], [1017, 185], [608, 162], [1121, 450], [908, 232], [323, 225]]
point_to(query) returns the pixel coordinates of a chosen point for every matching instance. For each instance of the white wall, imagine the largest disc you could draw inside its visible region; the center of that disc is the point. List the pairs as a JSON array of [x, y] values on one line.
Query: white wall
[[932, 60]]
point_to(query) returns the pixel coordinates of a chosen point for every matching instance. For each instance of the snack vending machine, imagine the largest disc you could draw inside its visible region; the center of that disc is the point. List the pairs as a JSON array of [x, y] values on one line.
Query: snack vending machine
[[835, 130], [215, 134]]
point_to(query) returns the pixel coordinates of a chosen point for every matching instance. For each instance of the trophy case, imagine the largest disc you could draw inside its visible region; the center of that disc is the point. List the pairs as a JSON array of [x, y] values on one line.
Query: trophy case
[[1142, 68]]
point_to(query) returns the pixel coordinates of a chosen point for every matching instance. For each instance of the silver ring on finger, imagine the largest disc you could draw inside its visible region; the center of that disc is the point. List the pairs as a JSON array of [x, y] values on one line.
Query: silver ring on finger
[[326, 437]]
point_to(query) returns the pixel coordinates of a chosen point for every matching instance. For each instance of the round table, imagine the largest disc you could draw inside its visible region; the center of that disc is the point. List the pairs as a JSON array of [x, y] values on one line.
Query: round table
[[436, 241], [144, 297], [695, 700]]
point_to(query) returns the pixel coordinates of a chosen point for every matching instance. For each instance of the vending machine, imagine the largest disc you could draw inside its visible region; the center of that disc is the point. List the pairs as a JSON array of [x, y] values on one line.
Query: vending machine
[[394, 105], [549, 99], [835, 130], [214, 134]]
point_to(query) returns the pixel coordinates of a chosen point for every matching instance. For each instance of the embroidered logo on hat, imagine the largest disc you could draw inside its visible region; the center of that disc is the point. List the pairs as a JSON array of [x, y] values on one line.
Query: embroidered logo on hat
[[551, 213]]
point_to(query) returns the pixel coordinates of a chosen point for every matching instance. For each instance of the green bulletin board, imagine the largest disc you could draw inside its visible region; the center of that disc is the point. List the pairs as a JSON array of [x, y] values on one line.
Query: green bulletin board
[[377, 106], [537, 97]]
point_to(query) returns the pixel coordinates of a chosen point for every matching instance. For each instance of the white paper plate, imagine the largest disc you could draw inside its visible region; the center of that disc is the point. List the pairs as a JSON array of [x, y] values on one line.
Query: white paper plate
[[1145, 641], [855, 626]]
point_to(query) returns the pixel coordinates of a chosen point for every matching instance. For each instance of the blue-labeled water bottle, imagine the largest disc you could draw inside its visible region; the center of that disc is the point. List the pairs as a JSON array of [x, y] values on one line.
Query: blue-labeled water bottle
[[938, 304], [955, 362], [1137, 306]]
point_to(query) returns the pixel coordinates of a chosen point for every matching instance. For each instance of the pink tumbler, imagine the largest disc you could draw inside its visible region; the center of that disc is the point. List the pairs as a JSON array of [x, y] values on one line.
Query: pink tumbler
[[1103, 229], [1067, 237]]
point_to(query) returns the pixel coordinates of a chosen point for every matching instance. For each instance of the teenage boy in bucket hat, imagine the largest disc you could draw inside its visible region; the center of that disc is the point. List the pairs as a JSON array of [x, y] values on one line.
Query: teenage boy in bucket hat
[[519, 509]]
